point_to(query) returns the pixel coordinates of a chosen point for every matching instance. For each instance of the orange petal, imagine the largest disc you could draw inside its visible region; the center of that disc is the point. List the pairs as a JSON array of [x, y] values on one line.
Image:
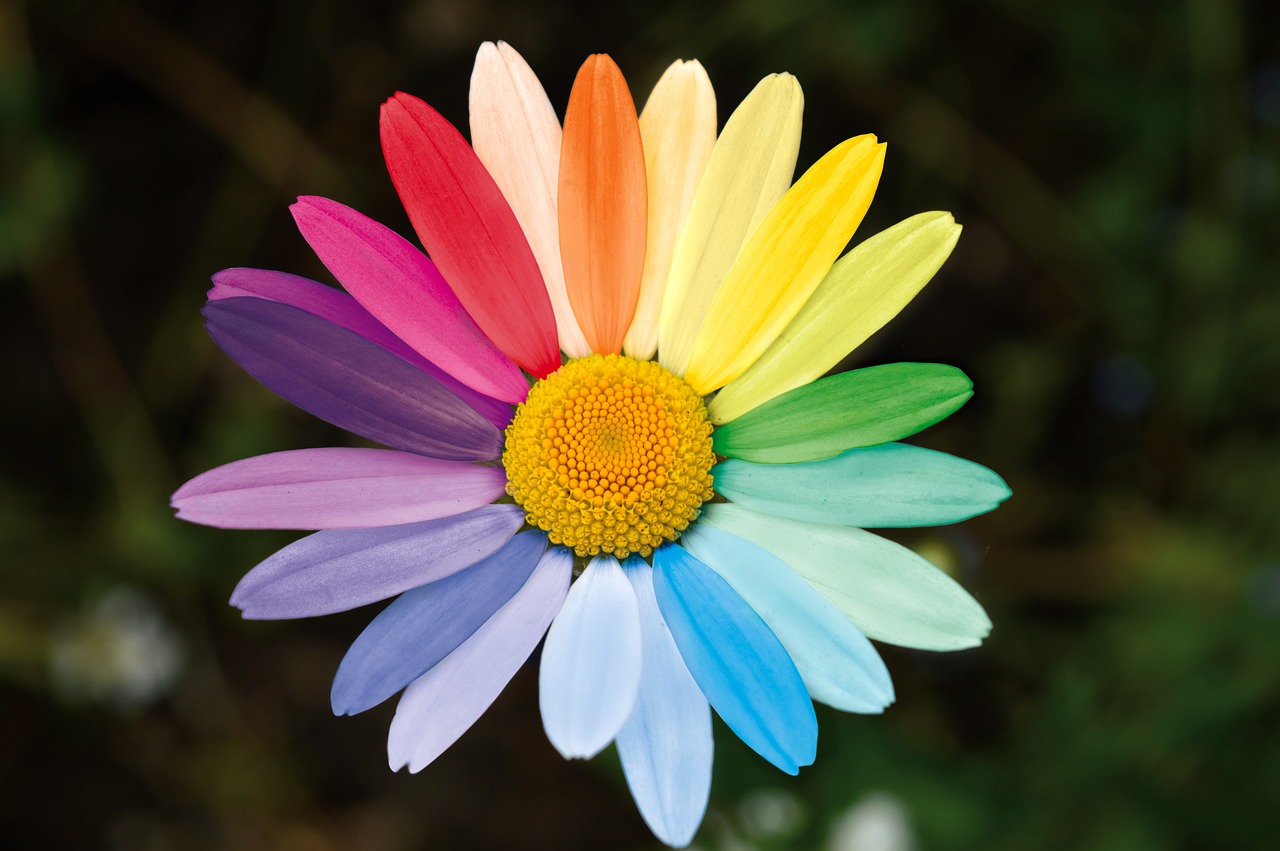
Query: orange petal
[[602, 204]]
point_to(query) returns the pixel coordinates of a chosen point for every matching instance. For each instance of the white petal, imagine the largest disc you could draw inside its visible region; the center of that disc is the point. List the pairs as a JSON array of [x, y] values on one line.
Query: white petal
[[590, 673]]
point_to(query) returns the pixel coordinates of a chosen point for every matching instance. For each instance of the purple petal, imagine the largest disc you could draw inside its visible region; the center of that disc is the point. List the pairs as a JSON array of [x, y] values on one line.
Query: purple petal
[[344, 311], [425, 625], [337, 570], [443, 703], [346, 380], [402, 288], [336, 488]]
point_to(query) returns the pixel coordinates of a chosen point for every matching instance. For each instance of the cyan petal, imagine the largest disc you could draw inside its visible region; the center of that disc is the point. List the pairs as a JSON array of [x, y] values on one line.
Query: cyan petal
[[443, 703], [666, 745], [892, 594], [877, 487], [736, 660], [590, 672], [836, 661], [426, 624]]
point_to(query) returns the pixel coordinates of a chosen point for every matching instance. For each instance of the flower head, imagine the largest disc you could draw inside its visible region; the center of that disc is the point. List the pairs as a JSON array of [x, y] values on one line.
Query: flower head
[[562, 261]]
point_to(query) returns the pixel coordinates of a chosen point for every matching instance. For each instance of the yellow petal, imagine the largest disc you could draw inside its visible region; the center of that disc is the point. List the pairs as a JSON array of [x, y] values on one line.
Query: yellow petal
[[863, 291], [784, 261], [678, 127], [515, 133], [750, 168]]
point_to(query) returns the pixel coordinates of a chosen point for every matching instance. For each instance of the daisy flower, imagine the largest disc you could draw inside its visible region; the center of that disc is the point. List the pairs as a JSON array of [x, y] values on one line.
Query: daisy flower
[[606, 422]]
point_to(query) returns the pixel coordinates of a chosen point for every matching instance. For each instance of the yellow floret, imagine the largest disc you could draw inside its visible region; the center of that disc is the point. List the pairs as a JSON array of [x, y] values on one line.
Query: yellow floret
[[610, 454]]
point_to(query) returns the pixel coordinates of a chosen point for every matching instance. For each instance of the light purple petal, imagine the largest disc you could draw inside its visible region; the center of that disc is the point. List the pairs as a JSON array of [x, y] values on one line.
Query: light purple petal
[[345, 312], [402, 288], [336, 488], [346, 380], [666, 745], [423, 626], [590, 672], [443, 703], [337, 570]]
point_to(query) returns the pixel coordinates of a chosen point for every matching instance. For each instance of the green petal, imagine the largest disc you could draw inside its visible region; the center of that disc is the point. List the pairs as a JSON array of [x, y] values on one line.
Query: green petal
[[889, 592], [863, 407], [878, 486]]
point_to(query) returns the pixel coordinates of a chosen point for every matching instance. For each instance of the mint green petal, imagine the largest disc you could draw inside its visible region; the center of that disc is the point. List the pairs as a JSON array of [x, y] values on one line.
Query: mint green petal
[[862, 407], [892, 594], [838, 664], [877, 486]]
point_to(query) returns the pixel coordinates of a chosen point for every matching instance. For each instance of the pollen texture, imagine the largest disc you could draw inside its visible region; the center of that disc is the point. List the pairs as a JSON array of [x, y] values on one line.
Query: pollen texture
[[610, 454]]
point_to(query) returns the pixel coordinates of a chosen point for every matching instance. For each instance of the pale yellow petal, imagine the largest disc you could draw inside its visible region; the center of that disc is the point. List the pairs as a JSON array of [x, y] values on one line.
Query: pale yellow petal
[[516, 134], [784, 261], [863, 291], [678, 127], [750, 168]]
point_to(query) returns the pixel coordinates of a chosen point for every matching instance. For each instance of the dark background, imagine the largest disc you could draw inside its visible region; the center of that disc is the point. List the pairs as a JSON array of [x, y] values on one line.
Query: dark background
[[1114, 297]]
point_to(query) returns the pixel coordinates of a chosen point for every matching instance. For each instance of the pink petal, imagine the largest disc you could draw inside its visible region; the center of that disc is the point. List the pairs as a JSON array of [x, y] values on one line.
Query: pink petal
[[403, 290], [336, 488], [470, 232]]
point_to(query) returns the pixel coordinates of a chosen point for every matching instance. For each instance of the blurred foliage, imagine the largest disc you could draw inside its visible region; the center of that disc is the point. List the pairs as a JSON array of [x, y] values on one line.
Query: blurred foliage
[[1117, 170]]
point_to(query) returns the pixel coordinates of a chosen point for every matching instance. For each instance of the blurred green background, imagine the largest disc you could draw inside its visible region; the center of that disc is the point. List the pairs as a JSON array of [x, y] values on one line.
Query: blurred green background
[[1114, 297]]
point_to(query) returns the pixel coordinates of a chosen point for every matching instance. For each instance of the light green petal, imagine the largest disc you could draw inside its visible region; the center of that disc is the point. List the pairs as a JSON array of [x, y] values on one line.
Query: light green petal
[[750, 168], [862, 407], [889, 592], [863, 291], [784, 261], [892, 485]]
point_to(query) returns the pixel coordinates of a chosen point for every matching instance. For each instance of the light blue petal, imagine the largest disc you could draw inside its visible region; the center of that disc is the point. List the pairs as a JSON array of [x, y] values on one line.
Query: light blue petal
[[876, 486], [443, 703], [426, 624], [891, 593], [590, 672], [736, 660], [666, 745], [836, 661]]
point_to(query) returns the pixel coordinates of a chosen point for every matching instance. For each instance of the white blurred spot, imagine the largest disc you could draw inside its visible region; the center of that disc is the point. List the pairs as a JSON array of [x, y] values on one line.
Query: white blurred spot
[[878, 822], [770, 814]]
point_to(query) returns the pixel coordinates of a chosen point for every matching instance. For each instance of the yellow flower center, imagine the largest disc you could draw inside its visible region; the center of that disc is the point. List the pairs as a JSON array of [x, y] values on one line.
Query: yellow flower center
[[610, 454]]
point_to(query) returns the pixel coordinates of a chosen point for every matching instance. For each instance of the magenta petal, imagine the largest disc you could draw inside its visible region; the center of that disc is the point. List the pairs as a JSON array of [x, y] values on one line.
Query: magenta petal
[[336, 488], [346, 380], [344, 311], [424, 625], [337, 570], [403, 289]]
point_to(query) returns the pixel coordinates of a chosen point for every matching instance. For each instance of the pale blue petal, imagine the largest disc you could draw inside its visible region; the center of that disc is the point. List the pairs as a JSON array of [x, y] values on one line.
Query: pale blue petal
[[443, 703], [736, 660], [875, 486], [891, 593], [836, 661], [666, 745], [424, 625], [590, 672]]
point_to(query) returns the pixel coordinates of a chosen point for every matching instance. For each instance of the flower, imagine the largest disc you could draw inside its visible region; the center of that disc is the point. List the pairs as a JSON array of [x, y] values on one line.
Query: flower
[[611, 240]]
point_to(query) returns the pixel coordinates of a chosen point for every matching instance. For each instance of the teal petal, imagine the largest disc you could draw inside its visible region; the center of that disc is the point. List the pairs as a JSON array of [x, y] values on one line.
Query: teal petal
[[892, 594], [862, 407], [878, 486], [836, 661], [666, 745], [736, 660]]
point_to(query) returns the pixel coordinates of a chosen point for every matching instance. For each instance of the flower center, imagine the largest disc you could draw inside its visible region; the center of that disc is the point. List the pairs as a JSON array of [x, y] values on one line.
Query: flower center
[[610, 454]]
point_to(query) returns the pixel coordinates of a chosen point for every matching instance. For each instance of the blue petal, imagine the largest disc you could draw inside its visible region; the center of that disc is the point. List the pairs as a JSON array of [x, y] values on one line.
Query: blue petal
[[834, 658], [443, 703], [666, 745], [426, 624], [736, 660], [590, 672]]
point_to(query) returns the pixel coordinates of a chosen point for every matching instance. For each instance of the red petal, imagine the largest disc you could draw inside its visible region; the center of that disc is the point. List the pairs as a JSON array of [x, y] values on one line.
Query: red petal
[[470, 232]]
